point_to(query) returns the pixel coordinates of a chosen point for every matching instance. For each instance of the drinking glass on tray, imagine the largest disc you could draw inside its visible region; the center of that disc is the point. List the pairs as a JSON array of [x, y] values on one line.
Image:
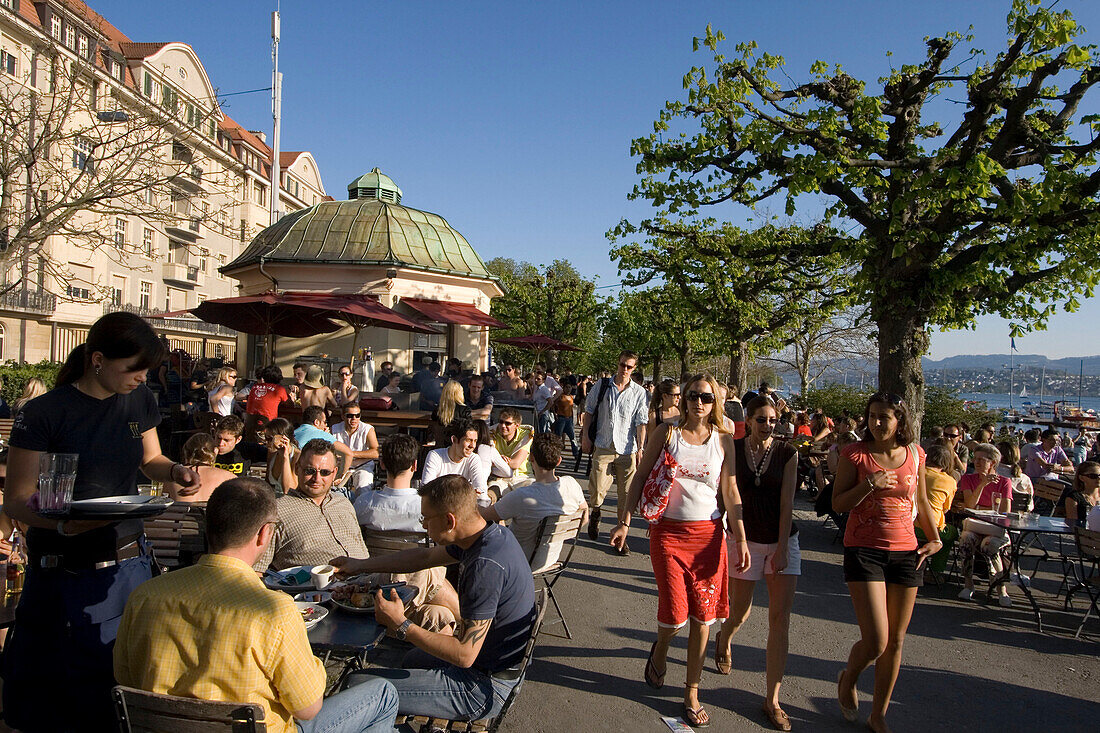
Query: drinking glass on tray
[[56, 476]]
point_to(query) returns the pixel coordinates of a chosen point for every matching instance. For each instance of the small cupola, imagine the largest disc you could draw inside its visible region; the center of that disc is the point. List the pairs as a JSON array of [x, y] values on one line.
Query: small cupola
[[374, 185]]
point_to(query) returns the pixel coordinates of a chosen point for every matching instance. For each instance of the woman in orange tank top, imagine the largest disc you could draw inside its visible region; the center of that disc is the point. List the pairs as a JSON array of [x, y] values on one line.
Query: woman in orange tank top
[[879, 481]]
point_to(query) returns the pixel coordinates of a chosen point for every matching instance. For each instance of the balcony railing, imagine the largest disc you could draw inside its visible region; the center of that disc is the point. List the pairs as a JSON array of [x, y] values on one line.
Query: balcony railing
[[177, 323], [29, 301]]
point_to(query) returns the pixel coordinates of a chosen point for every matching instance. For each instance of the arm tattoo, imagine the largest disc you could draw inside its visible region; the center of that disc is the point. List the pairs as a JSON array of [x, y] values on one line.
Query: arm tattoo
[[474, 631]]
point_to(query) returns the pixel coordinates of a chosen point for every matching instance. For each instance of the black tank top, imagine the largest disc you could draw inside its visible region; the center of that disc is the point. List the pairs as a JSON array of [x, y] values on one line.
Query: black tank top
[[760, 504]]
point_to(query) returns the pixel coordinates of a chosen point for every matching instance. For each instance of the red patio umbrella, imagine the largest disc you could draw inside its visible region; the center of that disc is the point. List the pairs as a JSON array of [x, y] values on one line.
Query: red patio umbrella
[[537, 343], [358, 310]]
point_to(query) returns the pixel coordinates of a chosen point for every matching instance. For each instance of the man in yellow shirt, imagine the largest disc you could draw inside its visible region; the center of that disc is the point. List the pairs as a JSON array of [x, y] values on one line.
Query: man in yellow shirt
[[214, 632]]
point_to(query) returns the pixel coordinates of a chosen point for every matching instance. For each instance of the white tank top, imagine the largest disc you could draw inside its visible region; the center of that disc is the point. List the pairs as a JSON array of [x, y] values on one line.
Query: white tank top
[[224, 406], [694, 495]]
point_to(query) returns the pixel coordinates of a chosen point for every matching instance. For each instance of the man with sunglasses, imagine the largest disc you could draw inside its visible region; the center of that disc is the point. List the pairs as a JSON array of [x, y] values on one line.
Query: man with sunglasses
[[315, 523], [620, 408], [362, 441]]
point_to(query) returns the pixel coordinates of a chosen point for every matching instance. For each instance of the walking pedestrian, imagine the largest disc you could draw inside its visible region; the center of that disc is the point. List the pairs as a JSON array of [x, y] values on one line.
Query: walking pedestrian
[[879, 481], [686, 544], [767, 474], [614, 433]]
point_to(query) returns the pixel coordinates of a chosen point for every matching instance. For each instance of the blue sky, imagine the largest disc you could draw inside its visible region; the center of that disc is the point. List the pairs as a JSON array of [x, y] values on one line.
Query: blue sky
[[513, 119]]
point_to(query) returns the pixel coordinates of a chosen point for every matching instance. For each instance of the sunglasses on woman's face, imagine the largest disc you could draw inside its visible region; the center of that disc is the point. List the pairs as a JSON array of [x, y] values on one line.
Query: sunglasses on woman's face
[[769, 420], [706, 398], [1090, 475]]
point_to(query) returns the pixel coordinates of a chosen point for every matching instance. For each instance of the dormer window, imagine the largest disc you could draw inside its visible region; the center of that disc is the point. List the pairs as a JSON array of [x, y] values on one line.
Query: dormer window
[[55, 27], [70, 37]]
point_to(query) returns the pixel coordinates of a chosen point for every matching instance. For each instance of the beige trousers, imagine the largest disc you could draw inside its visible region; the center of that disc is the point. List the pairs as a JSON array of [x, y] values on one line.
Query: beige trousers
[[608, 466]]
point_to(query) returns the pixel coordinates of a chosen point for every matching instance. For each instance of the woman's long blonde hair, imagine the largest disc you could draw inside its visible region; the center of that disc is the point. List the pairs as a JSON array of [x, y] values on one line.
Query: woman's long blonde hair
[[35, 388], [448, 401], [717, 420], [221, 378]]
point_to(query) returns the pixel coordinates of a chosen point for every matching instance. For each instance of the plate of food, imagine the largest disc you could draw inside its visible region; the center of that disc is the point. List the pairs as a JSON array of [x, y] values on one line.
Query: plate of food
[[312, 613], [292, 580], [356, 596]]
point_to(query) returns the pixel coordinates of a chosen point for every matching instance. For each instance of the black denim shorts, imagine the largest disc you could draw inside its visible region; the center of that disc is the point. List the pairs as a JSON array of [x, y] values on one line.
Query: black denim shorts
[[865, 565]]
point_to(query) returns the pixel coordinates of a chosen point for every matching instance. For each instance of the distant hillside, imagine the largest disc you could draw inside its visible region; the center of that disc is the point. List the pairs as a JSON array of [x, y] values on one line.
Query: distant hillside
[[997, 361]]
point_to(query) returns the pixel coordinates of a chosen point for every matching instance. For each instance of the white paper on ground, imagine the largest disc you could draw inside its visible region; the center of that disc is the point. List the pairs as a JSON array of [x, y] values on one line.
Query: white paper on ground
[[677, 725]]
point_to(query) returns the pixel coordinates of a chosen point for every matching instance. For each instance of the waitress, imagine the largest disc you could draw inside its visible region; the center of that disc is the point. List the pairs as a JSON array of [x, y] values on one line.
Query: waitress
[[57, 665]]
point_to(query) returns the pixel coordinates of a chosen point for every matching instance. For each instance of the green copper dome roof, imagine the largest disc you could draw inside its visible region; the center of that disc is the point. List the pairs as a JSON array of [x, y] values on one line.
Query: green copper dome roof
[[365, 231], [374, 185]]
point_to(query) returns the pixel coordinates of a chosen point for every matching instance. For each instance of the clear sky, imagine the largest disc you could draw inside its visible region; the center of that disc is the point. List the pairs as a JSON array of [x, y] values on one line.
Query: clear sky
[[513, 119]]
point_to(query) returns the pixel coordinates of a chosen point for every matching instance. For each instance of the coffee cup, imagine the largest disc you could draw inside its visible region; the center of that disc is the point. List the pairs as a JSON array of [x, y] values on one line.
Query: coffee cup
[[321, 575]]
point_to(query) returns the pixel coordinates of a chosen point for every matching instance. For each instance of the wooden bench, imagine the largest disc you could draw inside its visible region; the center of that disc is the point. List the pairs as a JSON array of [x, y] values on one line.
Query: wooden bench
[[5, 427], [178, 536]]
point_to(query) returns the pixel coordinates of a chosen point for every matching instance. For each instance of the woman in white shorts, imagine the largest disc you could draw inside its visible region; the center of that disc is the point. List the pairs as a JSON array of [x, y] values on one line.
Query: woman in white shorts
[[767, 471]]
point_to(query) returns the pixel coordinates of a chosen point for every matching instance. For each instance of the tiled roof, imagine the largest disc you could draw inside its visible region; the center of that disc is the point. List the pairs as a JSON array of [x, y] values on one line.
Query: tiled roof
[[287, 157], [141, 50]]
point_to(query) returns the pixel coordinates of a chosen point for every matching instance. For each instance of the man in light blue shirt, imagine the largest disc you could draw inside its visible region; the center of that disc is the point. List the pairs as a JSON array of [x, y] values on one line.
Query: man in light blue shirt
[[315, 425], [620, 407]]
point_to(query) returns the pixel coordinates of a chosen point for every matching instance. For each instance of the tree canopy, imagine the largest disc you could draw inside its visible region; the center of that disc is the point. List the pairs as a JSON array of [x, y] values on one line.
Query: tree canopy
[[746, 285], [992, 209], [553, 300]]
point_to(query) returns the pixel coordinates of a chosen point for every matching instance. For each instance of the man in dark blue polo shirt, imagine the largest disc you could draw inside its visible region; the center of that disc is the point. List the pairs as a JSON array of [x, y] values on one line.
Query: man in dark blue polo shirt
[[468, 675]]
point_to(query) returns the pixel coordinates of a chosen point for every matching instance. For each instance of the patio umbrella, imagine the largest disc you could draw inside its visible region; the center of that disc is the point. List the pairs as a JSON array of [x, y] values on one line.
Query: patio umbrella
[[358, 310], [537, 343], [267, 314]]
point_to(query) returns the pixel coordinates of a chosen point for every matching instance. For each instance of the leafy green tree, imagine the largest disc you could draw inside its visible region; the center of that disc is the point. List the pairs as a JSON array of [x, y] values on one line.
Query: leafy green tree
[[747, 285], [552, 300], [992, 209], [659, 324]]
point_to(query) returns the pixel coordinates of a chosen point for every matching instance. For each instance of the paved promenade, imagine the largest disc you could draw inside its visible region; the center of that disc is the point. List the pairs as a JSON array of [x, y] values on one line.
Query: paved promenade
[[964, 664]]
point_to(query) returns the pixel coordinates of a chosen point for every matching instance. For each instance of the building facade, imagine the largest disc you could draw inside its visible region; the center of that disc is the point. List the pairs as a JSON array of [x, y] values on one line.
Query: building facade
[[137, 196]]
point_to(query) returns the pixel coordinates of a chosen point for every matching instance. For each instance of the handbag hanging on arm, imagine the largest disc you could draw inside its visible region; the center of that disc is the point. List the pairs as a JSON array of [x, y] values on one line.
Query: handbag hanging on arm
[[657, 486]]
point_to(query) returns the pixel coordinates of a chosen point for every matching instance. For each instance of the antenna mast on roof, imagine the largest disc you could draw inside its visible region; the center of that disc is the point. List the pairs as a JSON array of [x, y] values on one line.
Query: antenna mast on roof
[[276, 113]]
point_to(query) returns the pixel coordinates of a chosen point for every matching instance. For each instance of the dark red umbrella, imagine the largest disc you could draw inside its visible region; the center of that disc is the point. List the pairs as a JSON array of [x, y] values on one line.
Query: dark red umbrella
[[537, 342], [263, 315]]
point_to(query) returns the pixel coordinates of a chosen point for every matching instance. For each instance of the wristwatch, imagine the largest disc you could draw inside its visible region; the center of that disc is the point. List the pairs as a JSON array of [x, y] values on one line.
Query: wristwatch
[[402, 631]]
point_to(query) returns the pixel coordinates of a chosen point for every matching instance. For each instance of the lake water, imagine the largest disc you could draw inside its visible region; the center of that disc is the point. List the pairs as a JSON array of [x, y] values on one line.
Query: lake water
[[1001, 401]]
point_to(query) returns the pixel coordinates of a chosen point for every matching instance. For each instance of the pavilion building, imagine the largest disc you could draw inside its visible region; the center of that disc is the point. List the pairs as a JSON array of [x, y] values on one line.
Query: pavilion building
[[413, 261]]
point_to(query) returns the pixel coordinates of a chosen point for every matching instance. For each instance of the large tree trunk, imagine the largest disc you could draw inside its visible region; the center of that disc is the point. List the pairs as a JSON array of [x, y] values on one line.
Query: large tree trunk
[[684, 352], [739, 365], [902, 341]]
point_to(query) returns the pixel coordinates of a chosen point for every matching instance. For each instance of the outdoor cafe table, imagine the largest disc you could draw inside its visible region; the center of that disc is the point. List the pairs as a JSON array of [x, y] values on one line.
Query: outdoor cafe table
[[1019, 527], [403, 419]]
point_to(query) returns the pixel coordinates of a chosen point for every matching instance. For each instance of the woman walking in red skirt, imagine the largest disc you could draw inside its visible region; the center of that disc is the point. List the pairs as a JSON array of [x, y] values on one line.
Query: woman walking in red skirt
[[687, 544]]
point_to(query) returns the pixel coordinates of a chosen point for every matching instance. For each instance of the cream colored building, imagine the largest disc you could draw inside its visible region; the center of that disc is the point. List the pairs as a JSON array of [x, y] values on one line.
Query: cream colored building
[[412, 260], [161, 249]]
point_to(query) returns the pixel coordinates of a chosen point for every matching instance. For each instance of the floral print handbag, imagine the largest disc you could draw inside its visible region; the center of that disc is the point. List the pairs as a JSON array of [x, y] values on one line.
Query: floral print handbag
[[658, 485]]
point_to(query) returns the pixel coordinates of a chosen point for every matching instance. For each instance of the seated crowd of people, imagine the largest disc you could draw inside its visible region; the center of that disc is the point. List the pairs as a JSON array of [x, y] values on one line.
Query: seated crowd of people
[[469, 496], [324, 503]]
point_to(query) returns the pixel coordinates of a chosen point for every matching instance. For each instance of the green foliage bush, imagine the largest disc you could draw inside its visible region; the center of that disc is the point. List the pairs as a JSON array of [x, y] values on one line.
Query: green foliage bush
[[14, 376]]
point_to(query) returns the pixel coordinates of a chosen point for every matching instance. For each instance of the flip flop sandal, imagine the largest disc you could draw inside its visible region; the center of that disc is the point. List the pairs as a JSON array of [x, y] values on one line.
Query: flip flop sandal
[[652, 677], [723, 663], [778, 718], [695, 717], [850, 714]]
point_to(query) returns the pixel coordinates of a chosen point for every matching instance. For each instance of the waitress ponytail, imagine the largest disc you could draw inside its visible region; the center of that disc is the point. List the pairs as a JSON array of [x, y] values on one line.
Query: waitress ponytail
[[117, 336], [73, 368]]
